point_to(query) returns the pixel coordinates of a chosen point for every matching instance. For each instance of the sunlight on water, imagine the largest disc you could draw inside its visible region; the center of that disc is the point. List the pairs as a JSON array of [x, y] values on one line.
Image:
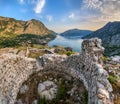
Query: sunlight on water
[[74, 43]]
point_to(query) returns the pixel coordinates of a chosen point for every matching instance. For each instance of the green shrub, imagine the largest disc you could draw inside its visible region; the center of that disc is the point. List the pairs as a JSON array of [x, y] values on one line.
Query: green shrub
[[61, 92], [112, 49], [104, 58], [112, 79], [43, 101], [68, 53]]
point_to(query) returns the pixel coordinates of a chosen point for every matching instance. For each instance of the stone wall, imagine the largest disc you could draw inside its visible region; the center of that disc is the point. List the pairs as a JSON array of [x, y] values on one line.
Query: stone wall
[[14, 70], [87, 67]]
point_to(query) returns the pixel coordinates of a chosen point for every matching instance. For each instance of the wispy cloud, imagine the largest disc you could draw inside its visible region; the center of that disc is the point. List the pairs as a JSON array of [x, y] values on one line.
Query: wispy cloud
[[109, 10], [49, 18], [71, 16], [92, 3], [39, 6]]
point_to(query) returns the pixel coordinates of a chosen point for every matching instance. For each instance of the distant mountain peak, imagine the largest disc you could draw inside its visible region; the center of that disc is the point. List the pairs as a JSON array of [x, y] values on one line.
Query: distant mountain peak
[[75, 33]]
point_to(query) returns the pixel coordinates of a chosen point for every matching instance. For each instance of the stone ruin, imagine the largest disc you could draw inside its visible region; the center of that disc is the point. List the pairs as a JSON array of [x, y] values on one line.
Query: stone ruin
[[87, 67]]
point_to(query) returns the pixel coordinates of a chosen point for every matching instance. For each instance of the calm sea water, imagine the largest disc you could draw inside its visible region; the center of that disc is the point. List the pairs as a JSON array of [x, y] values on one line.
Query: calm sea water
[[74, 43]]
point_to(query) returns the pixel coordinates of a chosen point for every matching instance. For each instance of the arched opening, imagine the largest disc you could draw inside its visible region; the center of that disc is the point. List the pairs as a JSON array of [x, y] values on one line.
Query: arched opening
[[56, 88]]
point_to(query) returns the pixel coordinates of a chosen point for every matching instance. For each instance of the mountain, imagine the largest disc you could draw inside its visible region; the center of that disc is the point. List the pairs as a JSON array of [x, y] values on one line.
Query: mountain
[[110, 35], [75, 33], [32, 30], [13, 26]]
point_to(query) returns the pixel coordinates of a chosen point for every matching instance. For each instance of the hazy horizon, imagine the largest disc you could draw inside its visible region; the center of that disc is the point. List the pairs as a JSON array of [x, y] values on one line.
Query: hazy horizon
[[63, 15]]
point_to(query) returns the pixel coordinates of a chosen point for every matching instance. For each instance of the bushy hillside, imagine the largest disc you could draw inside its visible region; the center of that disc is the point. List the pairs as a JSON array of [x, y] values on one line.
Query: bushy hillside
[[16, 32]]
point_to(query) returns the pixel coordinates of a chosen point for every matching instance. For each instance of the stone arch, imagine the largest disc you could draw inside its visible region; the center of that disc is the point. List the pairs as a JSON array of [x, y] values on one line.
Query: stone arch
[[56, 73], [89, 72]]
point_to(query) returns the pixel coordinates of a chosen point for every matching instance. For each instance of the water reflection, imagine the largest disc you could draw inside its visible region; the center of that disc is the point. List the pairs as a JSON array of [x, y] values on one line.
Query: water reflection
[[74, 42]]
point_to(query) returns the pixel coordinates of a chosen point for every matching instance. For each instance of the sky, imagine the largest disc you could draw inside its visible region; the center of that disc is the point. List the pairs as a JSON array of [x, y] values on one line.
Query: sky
[[62, 15]]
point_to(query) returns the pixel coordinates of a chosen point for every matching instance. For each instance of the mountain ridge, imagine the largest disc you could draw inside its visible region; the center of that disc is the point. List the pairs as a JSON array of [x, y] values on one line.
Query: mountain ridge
[[110, 35], [75, 33], [11, 25], [18, 32]]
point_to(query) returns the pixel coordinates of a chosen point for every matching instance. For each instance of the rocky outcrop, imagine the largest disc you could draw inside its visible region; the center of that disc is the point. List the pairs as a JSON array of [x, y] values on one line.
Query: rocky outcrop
[[93, 74], [47, 89], [86, 67]]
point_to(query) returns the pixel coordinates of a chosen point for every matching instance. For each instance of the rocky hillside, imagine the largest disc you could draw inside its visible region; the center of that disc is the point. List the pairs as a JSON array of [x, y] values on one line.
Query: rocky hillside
[[110, 35], [23, 31], [75, 33]]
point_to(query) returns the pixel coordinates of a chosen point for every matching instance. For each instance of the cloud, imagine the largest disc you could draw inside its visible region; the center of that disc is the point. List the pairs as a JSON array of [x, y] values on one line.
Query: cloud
[[71, 16], [39, 6], [109, 10], [93, 4], [49, 18]]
